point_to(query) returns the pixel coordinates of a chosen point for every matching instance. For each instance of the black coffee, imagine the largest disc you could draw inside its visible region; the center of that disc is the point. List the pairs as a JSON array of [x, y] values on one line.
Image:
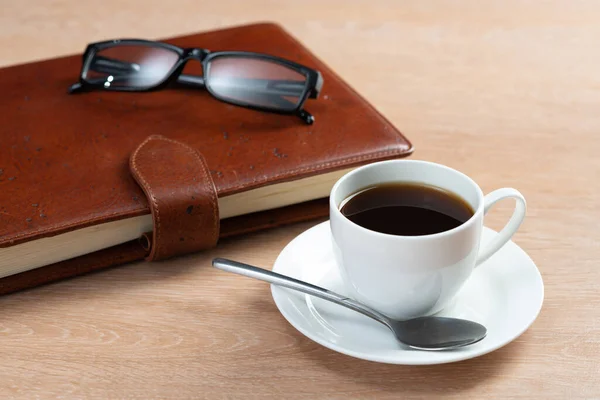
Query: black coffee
[[407, 209]]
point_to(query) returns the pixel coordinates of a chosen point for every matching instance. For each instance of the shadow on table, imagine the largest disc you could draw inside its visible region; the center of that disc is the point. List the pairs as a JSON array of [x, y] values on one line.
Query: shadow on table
[[428, 379], [438, 379]]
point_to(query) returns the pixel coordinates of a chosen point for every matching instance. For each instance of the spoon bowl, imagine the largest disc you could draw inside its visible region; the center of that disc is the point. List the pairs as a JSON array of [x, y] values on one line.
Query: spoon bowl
[[424, 333], [437, 333]]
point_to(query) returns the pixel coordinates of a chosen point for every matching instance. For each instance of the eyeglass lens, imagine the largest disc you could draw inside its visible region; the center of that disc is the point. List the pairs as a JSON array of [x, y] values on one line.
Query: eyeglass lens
[[131, 66], [257, 82]]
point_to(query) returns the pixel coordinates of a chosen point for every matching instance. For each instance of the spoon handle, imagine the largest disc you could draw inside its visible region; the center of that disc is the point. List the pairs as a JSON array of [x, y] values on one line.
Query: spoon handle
[[295, 284]]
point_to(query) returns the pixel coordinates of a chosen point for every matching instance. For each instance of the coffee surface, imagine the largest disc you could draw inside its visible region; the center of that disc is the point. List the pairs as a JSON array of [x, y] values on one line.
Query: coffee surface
[[407, 209]]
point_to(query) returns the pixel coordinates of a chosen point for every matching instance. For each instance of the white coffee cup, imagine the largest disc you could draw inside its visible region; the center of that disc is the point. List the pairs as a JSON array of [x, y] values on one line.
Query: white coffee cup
[[410, 276]]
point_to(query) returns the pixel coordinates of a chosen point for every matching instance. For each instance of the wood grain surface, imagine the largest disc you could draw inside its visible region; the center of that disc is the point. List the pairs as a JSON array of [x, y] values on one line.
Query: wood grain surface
[[506, 91]]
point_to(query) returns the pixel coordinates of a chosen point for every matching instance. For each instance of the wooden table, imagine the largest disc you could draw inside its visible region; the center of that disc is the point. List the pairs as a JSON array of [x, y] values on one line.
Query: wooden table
[[506, 91]]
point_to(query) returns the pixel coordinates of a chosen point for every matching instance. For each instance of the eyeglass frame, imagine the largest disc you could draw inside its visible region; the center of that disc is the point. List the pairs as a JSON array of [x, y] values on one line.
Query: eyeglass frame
[[313, 85]]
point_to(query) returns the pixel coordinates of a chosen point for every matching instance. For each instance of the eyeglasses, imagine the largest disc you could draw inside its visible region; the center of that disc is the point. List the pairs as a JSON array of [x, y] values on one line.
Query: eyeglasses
[[253, 80]]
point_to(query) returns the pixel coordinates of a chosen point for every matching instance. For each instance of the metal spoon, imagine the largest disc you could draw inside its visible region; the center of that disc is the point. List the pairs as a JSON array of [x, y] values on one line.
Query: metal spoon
[[424, 333]]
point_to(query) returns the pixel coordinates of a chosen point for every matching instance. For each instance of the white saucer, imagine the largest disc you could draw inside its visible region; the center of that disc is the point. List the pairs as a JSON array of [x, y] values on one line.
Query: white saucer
[[505, 294]]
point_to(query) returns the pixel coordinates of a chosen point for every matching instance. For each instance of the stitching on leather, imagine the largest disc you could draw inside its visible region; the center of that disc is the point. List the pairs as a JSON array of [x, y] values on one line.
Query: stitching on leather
[[213, 199], [212, 193], [156, 251]]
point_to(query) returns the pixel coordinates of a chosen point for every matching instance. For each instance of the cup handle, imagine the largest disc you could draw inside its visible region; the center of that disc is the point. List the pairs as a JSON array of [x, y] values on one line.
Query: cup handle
[[511, 226]]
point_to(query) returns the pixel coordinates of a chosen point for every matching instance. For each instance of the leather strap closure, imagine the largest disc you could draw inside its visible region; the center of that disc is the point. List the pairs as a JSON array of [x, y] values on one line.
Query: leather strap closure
[[181, 195]]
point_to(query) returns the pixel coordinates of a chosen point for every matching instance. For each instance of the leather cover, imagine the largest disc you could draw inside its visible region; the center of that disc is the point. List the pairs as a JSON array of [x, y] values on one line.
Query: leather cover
[[65, 159]]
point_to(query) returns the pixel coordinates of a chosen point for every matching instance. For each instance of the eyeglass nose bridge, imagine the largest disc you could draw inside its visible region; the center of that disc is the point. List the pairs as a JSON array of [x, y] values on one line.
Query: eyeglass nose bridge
[[195, 54]]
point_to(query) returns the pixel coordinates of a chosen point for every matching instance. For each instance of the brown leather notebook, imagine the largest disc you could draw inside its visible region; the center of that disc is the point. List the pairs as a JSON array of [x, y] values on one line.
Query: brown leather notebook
[[98, 179]]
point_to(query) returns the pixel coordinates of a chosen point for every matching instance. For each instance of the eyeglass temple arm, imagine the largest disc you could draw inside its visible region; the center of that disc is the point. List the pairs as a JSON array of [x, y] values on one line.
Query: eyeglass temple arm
[[273, 95]]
